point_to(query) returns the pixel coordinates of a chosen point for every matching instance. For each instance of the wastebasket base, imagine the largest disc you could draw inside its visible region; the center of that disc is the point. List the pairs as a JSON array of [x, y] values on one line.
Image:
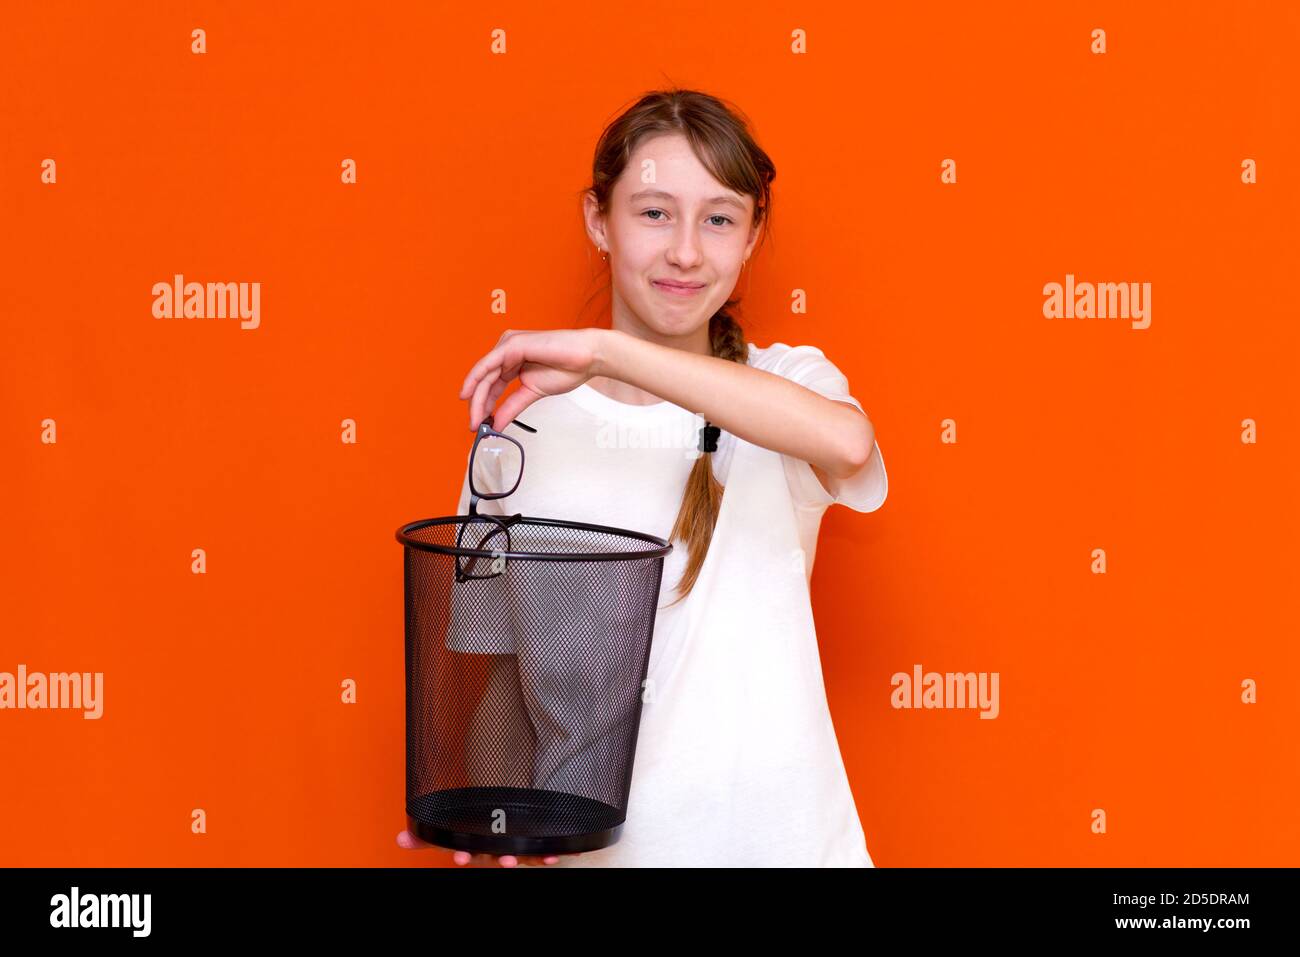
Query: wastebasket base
[[538, 821]]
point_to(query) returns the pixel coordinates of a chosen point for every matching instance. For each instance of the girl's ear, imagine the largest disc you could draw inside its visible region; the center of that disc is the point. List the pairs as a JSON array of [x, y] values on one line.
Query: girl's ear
[[595, 222], [753, 239]]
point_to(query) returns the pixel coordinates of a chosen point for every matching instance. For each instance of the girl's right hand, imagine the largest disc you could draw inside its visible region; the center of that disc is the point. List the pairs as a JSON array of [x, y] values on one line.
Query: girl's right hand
[[408, 840], [546, 362]]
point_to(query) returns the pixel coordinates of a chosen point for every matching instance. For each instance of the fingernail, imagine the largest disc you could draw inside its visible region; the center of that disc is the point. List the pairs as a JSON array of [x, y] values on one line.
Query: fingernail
[[461, 857], [509, 860], [551, 860]]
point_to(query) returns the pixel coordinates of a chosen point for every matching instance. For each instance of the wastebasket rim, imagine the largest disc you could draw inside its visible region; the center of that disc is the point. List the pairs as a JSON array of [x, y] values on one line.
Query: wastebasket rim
[[663, 547]]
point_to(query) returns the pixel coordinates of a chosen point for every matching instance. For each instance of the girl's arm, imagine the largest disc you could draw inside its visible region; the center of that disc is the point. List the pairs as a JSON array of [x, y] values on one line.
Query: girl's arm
[[761, 407]]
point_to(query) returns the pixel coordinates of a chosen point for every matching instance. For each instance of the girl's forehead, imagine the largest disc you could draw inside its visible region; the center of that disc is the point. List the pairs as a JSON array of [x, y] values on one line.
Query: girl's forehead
[[668, 156], [665, 168], [675, 185]]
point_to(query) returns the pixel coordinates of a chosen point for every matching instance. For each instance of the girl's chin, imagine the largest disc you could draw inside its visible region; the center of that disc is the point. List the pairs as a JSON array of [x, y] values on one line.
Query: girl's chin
[[677, 328]]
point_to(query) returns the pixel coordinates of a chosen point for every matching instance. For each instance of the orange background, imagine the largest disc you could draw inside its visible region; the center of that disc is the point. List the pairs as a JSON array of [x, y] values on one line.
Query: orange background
[[222, 691]]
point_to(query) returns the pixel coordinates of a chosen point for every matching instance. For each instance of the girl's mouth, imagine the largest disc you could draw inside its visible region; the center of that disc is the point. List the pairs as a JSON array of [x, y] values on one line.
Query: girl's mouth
[[673, 289]]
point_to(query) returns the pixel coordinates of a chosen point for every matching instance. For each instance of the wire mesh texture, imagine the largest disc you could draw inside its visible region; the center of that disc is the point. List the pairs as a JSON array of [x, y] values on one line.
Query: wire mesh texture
[[527, 644]]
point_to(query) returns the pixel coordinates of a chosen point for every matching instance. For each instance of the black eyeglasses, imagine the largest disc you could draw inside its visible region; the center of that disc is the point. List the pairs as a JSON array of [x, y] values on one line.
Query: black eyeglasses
[[502, 468]]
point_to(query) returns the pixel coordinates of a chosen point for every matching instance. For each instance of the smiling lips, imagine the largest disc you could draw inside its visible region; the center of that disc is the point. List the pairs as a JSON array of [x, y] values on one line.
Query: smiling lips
[[677, 288]]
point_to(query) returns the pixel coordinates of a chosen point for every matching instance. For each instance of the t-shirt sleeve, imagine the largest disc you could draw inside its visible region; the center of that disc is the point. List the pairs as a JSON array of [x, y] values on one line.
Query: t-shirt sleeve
[[866, 490]]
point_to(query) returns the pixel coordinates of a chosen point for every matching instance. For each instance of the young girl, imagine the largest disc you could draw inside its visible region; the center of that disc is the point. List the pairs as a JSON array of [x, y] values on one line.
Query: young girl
[[737, 762]]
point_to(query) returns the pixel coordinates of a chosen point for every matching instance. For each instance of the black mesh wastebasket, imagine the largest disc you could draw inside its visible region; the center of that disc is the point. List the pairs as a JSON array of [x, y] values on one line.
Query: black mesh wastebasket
[[525, 659]]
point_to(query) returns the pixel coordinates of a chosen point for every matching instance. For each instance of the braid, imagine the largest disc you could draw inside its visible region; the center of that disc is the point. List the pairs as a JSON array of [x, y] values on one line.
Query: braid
[[727, 338], [703, 498]]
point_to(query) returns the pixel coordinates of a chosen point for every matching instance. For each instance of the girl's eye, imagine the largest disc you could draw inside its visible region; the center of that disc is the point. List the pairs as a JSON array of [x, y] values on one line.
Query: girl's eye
[[726, 219]]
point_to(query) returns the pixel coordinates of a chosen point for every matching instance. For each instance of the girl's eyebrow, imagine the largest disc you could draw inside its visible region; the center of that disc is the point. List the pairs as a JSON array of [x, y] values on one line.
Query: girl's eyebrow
[[660, 194]]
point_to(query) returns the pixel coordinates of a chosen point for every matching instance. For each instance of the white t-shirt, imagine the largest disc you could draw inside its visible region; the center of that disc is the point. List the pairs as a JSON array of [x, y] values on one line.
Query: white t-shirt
[[737, 762]]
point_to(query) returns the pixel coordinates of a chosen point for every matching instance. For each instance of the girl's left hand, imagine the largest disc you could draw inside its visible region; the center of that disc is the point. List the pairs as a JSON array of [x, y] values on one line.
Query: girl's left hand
[[547, 362], [408, 840]]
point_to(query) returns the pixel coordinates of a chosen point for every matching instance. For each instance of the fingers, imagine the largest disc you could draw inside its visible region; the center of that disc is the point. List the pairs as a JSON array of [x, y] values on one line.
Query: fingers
[[488, 391], [494, 393], [478, 403], [476, 370], [501, 380], [510, 409], [408, 840], [481, 367], [499, 366], [463, 858]]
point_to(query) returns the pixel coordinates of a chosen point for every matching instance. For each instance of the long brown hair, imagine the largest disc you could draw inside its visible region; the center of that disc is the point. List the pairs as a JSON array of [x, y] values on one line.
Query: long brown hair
[[720, 138]]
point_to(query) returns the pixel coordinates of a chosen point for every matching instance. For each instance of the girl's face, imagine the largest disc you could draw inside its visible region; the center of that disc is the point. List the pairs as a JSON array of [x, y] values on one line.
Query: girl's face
[[677, 239]]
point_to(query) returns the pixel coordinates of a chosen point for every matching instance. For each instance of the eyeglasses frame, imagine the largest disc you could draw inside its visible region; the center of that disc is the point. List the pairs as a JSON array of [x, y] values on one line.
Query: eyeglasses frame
[[503, 524]]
